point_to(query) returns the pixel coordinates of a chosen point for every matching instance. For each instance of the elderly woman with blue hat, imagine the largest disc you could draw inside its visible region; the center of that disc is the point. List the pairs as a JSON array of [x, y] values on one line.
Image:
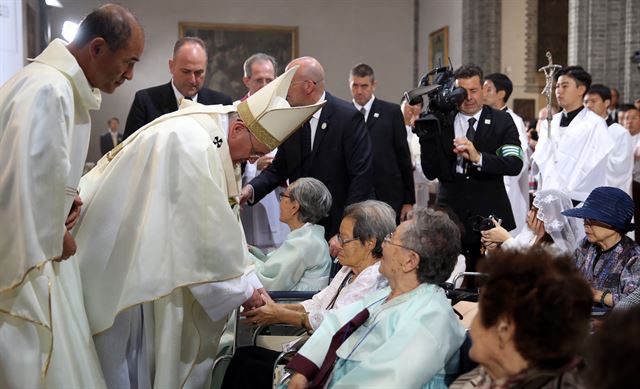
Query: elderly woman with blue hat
[[607, 258]]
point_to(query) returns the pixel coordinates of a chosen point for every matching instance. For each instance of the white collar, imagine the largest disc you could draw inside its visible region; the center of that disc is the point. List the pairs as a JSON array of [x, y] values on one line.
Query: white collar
[[180, 96]]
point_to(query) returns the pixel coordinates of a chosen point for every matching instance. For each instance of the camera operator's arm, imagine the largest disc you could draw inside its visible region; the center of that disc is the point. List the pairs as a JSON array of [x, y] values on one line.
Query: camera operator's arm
[[506, 159]]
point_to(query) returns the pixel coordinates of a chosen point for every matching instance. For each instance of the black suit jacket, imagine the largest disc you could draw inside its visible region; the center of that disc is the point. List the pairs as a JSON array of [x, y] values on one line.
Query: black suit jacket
[[392, 168], [481, 190], [151, 103], [106, 142], [341, 159]]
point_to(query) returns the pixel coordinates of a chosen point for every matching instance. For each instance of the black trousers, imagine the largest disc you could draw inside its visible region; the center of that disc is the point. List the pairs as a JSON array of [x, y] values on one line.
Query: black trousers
[[250, 367]]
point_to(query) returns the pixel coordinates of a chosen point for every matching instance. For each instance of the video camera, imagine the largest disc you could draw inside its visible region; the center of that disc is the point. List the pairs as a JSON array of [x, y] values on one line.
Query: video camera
[[443, 97]]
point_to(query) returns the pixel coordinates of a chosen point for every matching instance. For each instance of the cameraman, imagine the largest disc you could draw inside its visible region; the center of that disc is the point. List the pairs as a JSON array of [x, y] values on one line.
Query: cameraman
[[470, 152]]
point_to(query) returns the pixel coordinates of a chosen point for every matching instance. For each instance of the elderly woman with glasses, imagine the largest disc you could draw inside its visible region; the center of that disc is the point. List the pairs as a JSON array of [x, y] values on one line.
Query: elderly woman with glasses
[[302, 262], [362, 230], [606, 257], [401, 336]]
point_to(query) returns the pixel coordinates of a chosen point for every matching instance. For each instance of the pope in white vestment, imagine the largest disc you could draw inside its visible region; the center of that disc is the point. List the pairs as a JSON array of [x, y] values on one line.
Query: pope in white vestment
[[574, 159], [45, 128], [163, 266]]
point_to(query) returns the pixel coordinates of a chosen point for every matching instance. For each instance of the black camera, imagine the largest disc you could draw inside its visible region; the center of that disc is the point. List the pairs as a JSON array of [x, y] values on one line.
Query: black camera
[[439, 86], [480, 223]]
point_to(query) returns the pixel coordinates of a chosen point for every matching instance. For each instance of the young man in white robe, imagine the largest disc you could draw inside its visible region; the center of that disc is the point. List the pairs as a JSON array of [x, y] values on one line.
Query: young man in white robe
[[497, 89], [163, 268], [44, 138], [620, 159], [573, 156]]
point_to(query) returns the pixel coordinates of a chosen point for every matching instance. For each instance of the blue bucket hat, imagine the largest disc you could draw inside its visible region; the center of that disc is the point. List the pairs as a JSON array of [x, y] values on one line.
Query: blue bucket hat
[[608, 205]]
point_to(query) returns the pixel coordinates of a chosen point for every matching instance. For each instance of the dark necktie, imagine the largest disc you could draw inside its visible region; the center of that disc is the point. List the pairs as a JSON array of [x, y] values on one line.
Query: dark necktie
[[363, 111], [305, 146], [329, 360], [189, 98], [471, 132]]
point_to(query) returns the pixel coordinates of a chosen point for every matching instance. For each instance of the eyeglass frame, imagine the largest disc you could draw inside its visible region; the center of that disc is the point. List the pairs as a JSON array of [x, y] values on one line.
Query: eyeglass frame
[[282, 194], [254, 155], [301, 81], [343, 242], [389, 236]]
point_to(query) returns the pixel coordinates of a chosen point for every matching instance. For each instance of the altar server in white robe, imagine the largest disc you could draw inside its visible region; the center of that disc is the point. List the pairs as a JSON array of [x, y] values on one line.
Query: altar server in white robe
[[164, 266], [45, 129], [620, 159], [573, 157], [497, 89]]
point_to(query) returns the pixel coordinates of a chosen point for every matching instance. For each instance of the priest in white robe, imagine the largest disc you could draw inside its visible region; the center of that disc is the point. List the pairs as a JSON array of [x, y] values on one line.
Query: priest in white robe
[[164, 266], [44, 136], [573, 156]]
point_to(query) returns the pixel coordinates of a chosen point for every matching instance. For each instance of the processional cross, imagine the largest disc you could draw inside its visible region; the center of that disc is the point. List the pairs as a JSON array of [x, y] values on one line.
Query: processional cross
[[549, 71]]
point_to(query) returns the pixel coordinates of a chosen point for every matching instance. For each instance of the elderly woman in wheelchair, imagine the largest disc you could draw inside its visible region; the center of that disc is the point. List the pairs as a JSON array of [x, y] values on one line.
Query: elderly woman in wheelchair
[[402, 336], [302, 262], [362, 231], [534, 312]]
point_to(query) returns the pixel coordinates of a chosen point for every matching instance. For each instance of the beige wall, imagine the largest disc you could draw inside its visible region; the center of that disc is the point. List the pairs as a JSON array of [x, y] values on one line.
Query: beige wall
[[435, 14], [339, 33], [513, 47]]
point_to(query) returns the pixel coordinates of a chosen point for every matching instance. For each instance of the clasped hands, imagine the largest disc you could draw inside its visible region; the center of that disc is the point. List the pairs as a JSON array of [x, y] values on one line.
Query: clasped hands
[[264, 312], [465, 148], [68, 243]]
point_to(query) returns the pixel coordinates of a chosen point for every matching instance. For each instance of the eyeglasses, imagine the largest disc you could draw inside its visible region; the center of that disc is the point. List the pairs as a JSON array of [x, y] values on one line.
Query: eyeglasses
[[254, 153], [281, 195], [387, 239], [343, 242], [301, 81]]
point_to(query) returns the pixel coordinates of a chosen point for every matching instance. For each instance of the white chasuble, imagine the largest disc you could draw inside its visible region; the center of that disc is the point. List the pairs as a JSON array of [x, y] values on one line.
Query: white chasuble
[[157, 227], [44, 138]]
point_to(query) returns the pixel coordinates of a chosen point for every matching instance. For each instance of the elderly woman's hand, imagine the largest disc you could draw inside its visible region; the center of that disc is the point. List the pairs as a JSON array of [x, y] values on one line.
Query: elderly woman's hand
[[491, 238], [267, 314], [298, 381]]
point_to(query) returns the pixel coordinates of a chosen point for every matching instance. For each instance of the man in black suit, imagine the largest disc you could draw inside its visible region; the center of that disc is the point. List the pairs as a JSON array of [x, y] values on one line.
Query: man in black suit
[[392, 168], [111, 139], [471, 152], [188, 67], [333, 146]]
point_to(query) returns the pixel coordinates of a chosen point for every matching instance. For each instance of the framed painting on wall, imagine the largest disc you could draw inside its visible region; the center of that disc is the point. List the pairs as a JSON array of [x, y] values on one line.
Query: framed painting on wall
[[229, 45], [439, 48]]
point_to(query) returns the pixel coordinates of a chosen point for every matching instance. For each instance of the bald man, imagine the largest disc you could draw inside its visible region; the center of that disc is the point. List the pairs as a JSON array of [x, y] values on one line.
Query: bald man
[[333, 146], [44, 138]]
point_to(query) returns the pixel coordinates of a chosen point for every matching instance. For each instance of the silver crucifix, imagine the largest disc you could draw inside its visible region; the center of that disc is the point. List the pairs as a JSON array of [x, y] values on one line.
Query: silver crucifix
[[549, 71]]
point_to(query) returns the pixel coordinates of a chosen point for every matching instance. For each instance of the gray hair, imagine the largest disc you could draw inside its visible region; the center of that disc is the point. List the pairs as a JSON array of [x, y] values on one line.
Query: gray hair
[[314, 199], [258, 57], [436, 239], [189, 39], [372, 220]]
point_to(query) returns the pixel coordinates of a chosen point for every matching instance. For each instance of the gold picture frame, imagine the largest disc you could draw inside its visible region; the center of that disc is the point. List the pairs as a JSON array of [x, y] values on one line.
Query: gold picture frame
[[229, 45], [439, 48]]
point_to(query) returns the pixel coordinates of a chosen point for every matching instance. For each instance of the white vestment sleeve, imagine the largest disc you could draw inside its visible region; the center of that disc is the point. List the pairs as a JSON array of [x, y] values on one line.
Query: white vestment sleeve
[[218, 299]]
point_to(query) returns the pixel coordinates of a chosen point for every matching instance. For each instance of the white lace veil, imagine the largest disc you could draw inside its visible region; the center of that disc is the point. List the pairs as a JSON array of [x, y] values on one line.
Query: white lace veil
[[565, 231]]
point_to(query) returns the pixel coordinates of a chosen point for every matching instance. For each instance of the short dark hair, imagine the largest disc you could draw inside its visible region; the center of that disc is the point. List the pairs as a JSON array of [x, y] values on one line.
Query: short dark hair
[[577, 73], [362, 70], [468, 71], [373, 219], [189, 39], [600, 90], [436, 240], [502, 83], [546, 298], [627, 107], [112, 119], [110, 22], [612, 351]]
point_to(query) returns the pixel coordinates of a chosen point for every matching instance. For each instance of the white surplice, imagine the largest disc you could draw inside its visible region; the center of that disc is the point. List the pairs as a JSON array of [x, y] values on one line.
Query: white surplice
[[44, 138], [171, 243], [620, 162], [575, 159], [517, 187]]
